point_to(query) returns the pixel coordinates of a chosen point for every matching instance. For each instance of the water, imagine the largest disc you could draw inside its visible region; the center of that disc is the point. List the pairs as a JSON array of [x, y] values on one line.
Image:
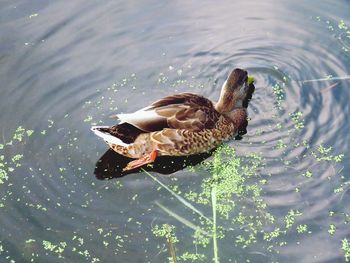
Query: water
[[66, 65]]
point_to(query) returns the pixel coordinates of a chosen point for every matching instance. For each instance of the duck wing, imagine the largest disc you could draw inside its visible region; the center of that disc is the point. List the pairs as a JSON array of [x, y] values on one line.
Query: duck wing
[[181, 111]]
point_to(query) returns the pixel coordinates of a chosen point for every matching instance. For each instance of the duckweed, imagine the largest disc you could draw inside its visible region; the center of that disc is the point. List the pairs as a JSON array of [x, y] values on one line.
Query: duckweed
[[324, 154], [192, 257], [345, 246], [8, 166], [296, 118], [281, 144], [291, 217], [232, 180], [332, 229], [307, 174], [55, 248], [279, 95], [342, 187], [302, 228], [167, 231], [342, 25]]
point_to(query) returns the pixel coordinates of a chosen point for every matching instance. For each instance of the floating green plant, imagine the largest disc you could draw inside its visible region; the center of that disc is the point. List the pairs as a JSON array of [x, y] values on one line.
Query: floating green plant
[[291, 217], [251, 80], [332, 229], [296, 118], [342, 187], [307, 174], [324, 154], [168, 232], [302, 228], [55, 248], [232, 180], [279, 95], [345, 246], [8, 165]]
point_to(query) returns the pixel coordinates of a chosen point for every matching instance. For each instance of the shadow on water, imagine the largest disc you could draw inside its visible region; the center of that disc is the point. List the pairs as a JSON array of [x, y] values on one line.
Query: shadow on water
[[111, 164]]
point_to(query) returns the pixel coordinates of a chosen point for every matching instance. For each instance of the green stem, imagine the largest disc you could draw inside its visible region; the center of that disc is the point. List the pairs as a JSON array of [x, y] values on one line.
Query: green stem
[[215, 242], [178, 197], [171, 249], [181, 219], [325, 79]]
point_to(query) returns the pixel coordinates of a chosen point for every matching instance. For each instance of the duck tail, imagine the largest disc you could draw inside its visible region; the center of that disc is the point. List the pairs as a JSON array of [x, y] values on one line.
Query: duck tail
[[104, 133]]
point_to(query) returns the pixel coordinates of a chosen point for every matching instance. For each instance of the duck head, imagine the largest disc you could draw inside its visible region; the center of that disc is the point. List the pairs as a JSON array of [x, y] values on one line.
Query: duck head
[[233, 91]]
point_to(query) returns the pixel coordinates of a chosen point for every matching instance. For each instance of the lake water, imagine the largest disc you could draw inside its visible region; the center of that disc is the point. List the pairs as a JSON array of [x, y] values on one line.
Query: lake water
[[67, 65]]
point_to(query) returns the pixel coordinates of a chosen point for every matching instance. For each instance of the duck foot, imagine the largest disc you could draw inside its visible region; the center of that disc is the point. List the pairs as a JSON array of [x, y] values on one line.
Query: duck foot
[[149, 158]]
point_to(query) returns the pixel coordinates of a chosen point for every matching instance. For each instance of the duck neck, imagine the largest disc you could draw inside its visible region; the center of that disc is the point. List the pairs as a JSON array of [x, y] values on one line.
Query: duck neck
[[238, 117], [227, 101]]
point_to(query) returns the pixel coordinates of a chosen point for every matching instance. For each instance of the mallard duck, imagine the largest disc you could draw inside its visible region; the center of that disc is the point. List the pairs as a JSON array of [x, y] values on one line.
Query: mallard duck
[[179, 125]]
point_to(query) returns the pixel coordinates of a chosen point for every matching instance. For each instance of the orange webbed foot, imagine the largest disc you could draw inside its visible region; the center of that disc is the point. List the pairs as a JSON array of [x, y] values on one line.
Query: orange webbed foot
[[149, 158]]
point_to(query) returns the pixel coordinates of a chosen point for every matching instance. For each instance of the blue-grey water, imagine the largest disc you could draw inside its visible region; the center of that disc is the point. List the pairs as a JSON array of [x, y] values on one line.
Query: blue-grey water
[[67, 65]]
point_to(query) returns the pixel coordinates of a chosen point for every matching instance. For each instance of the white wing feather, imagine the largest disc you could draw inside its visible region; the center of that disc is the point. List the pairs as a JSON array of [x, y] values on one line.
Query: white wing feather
[[138, 116], [107, 137]]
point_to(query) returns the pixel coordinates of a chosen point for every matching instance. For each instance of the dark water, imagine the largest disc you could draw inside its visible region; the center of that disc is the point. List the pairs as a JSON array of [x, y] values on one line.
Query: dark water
[[67, 65]]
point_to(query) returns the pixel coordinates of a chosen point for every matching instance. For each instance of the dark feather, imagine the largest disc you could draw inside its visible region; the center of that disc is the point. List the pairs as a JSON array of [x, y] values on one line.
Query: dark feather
[[125, 132], [182, 98], [184, 111]]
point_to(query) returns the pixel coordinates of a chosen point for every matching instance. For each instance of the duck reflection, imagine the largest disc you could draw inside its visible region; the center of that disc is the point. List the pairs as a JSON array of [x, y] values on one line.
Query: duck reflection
[[111, 164]]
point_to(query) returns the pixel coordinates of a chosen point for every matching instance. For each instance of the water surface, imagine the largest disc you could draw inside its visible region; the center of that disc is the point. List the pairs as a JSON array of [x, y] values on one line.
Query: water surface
[[67, 65]]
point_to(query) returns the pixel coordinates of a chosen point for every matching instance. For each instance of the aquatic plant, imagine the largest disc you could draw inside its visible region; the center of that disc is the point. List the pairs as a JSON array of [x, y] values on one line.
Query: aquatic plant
[[8, 164], [345, 246], [167, 231], [279, 94], [228, 181], [226, 206], [233, 190], [296, 118]]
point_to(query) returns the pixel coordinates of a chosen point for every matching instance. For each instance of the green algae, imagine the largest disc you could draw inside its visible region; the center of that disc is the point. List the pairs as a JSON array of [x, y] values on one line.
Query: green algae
[[296, 119], [8, 165], [332, 229], [279, 93], [323, 153], [303, 228], [290, 218], [345, 246], [229, 179], [168, 232]]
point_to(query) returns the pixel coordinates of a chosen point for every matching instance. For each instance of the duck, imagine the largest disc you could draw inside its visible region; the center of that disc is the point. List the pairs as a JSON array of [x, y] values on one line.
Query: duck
[[179, 125]]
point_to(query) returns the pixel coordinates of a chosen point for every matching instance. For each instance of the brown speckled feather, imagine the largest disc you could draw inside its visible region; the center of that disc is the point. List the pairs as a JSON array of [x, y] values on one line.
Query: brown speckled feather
[[182, 142], [179, 142]]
